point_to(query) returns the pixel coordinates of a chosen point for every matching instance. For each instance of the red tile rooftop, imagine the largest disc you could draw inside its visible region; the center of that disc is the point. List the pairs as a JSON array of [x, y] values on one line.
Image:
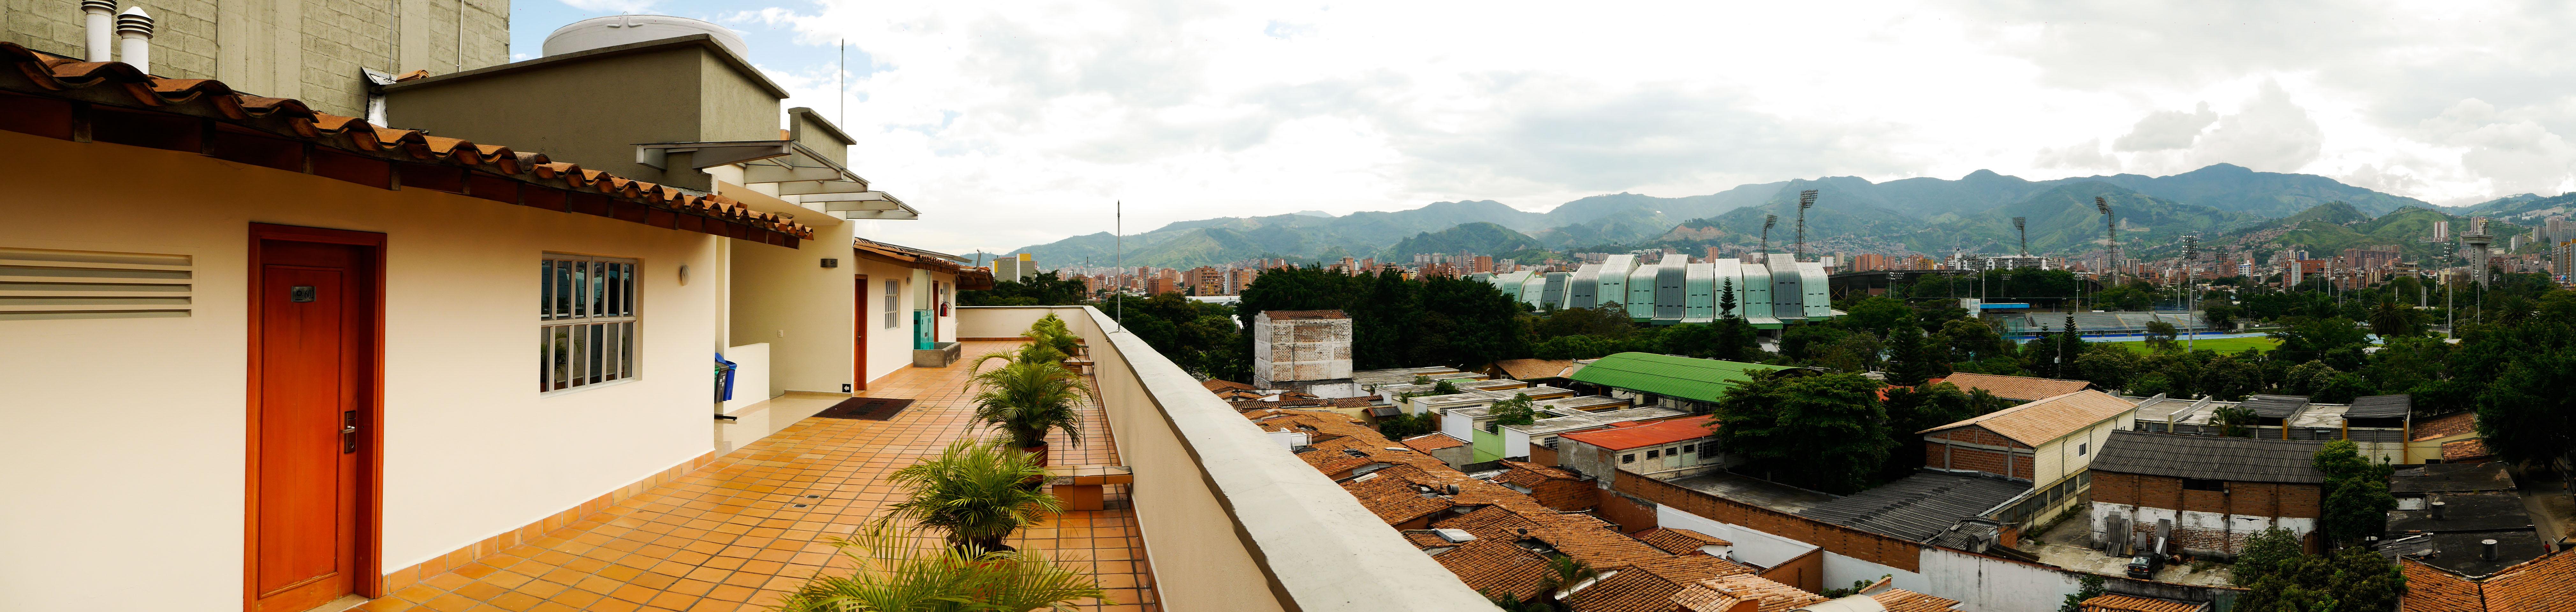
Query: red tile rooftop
[[755, 524]]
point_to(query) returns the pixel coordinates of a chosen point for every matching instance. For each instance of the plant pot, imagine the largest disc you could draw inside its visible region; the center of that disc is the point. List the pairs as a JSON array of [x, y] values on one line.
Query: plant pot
[[1037, 453]]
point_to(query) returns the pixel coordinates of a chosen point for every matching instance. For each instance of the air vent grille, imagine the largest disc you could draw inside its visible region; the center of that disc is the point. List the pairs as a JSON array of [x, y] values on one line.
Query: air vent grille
[[40, 284]]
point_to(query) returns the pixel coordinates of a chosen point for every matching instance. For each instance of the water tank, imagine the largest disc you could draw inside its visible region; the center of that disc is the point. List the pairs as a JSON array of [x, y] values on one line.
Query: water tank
[[599, 32]]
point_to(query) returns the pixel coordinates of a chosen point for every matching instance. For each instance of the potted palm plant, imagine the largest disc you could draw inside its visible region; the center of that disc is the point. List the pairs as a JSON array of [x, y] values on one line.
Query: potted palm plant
[[894, 569], [1053, 333], [1027, 399], [973, 490]]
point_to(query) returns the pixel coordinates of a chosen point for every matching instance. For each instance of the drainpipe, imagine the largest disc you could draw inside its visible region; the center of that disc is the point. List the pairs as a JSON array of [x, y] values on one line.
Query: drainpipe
[[99, 16], [134, 38]]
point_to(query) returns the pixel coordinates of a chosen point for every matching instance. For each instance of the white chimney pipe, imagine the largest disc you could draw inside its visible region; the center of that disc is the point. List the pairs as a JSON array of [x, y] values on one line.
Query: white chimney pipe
[[134, 38], [100, 16]]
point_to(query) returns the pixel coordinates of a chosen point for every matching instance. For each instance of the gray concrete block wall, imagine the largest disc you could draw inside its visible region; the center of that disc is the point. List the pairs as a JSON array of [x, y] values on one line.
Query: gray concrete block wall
[[332, 40]]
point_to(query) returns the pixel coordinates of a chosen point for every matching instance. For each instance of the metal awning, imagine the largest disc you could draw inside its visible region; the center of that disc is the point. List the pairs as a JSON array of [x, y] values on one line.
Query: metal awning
[[793, 169]]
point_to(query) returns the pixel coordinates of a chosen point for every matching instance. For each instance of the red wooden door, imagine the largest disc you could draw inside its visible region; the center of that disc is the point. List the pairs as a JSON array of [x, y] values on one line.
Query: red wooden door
[[859, 336], [315, 305]]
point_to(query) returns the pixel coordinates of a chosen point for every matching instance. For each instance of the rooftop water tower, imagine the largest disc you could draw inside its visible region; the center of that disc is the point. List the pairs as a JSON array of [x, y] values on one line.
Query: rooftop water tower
[[600, 32]]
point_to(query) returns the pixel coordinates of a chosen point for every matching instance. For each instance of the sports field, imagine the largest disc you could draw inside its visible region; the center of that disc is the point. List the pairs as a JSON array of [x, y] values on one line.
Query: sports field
[[2223, 345]]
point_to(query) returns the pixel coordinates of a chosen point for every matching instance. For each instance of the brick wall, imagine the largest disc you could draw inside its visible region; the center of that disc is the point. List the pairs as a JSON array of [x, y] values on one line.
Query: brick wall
[[1543, 455], [1567, 495], [2241, 498], [1630, 514], [1832, 538], [1807, 572], [1959, 449]]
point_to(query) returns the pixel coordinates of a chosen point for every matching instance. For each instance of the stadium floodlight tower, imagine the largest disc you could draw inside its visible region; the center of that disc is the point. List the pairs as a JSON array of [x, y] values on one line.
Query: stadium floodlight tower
[[1767, 222], [2111, 238], [1806, 200], [2190, 287], [2021, 225]]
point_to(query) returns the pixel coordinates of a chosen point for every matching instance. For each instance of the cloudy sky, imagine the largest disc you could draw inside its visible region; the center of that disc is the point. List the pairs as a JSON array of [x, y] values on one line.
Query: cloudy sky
[[1014, 123]]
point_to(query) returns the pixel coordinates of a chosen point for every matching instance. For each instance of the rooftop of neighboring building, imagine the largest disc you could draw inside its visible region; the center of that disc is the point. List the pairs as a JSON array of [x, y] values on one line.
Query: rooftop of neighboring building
[[2382, 407], [1214, 385], [2022, 388], [1679, 541], [2133, 603], [1285, 315], [2465, 553], [1921, 507], [2494, 511], [2209, 457], [1590, 420], [1641, 435], [1583, 403], [2466, 451], [1721, 594], [1671, 375], [1535, 369], [2274, 406], [2450, 478], [1433, 441], [1754, 491], [2453, 424], [2041, 421]]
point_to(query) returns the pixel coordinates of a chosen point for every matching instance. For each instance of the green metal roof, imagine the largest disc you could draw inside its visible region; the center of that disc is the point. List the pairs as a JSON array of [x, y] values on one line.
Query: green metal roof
[[1683, 377]]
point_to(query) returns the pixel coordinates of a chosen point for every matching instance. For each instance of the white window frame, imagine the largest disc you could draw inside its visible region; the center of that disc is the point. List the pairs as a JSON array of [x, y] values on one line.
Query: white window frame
[[893, 303], [589, 311]]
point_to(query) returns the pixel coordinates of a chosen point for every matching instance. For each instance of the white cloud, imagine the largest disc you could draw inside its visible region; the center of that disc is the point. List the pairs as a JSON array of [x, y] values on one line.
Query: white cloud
[[1019, 123]]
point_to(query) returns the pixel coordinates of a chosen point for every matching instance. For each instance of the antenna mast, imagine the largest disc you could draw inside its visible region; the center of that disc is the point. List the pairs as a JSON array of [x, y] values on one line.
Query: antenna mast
[[1806, 200]]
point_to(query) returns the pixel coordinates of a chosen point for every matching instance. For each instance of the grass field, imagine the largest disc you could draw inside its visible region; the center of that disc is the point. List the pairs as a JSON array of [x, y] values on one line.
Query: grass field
[[2223, 345]]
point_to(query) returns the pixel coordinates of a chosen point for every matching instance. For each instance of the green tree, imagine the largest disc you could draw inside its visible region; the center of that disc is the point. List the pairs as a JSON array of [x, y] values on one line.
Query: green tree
[[2233, 421], [1045, 289], [2160, 336], [1917, 408], [2389, 319], [2108, 366], [2353, 579], [2267, 552], [1877, 315], [1726, 298], [2356, 493], [1825, 432], [2528, 412], [1518, 410], [2089, 586], [1401, 426], [2331, 339], [1914, 359]]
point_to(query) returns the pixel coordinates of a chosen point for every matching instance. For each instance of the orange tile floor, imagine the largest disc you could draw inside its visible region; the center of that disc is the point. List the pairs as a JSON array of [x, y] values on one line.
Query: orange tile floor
[[756, 523]]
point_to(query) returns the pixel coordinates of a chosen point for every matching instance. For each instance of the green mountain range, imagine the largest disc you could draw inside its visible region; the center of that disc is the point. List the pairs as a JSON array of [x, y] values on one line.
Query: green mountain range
[[1929, 215]]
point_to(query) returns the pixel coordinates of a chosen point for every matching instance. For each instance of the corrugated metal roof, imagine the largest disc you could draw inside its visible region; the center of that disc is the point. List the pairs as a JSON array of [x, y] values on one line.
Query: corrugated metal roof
[[2210, 457], [1648, 434], [2036, 423], [2274, 406], [1669, 375], [1920, 507], [2381, 407]]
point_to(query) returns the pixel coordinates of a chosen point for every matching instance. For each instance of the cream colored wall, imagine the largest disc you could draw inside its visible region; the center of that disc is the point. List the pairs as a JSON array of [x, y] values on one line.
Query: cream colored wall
[[888, 349], [785, 297], [2057, 459], [155, 466]]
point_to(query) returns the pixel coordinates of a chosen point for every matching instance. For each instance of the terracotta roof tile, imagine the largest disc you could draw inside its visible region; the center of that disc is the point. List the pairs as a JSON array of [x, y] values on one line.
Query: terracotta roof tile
[[1901, 600], [2126, 603], [2465, 450], [1679, 541], [1526, 369], [1720, 594], [116, 84], [2022, 388], [1496, 567], [2433, 590], [2038, 422], [2542, 585], [1627, 591], [2447, 425], [1214, 384], [1433, 441]]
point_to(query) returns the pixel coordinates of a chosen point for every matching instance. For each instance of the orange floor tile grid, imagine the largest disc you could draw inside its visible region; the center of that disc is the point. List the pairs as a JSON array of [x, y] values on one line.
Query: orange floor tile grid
[[755, 524]]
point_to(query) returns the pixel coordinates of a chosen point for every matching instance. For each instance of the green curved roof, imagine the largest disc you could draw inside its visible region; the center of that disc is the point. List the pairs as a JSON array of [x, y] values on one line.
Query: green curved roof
[[1683, 377]]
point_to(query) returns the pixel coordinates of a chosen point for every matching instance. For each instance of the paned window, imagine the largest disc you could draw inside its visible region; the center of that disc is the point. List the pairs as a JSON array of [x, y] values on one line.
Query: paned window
[[1687, 447], [586, 313], [893, 293], [1653, 453], [1628, 458]]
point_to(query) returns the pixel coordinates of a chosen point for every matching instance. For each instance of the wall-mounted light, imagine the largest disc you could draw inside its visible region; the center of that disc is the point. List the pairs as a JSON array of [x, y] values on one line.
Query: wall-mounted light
[[831, 262], [684, 274]]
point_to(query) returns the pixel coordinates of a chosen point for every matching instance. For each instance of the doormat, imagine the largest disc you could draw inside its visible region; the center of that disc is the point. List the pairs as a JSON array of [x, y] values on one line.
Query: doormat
[[865, 408]]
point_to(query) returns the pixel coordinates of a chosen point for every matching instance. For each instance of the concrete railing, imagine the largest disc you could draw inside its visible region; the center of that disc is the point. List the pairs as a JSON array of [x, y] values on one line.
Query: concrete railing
[[1231, 520]]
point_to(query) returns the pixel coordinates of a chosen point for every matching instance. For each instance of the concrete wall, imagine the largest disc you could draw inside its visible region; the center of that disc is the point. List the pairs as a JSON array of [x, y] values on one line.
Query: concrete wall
[[1231, 520], [804, 311], [310, 50], [2206, 522], [695, 96], [471, 449]]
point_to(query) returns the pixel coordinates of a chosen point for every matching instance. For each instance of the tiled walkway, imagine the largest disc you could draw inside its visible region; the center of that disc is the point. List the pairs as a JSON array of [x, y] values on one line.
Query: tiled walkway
[[756, 523]]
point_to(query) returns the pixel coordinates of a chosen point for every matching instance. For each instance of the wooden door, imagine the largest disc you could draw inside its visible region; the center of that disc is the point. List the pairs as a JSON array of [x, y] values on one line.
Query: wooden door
[[859, 336], [313, 353]]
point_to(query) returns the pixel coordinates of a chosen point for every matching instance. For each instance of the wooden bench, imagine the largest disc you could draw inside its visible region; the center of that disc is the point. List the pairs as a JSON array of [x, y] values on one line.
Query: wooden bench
[[1080, 485]]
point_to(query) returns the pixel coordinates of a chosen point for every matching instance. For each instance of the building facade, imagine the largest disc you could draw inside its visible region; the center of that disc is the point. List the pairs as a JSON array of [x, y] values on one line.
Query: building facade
[[2208, 494]]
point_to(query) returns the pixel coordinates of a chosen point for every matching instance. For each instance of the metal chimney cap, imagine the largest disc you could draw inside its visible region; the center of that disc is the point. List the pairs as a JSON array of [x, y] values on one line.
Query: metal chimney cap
[[134, 20], [108, 6]]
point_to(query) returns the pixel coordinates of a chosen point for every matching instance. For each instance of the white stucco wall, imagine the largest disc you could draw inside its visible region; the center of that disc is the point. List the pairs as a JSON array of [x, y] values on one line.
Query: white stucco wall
[[804, 311], [139, 424], [1981, 584]]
